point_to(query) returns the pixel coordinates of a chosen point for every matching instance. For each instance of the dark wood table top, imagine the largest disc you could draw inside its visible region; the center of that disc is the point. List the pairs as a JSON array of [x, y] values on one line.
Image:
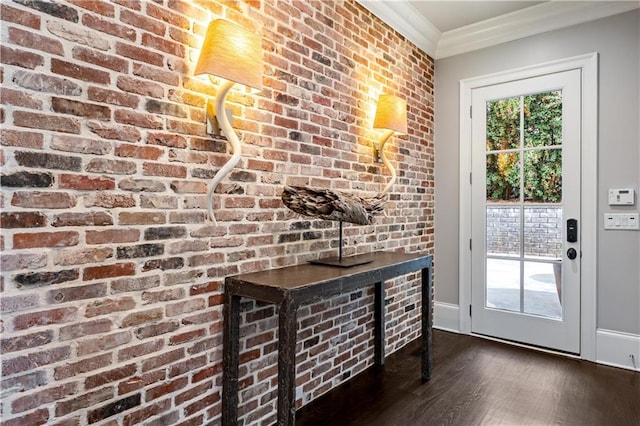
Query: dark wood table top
[[305, 281]]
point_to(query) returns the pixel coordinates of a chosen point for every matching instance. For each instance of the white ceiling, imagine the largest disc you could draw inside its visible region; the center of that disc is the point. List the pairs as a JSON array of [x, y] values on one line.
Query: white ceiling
[[447, 28], [449, 15]]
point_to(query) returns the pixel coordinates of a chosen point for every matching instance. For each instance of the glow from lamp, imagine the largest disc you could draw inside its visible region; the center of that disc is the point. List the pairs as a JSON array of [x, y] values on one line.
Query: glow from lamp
[[235, 55], [391, 115]]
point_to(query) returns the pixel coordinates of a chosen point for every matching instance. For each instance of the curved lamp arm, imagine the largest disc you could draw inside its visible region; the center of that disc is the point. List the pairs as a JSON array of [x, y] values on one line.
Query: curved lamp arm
[[232, 138], [386, 161]]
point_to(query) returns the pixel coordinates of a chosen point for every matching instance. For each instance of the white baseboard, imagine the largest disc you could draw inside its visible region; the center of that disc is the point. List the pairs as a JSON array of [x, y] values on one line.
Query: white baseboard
[[445, 317], [614, 348]]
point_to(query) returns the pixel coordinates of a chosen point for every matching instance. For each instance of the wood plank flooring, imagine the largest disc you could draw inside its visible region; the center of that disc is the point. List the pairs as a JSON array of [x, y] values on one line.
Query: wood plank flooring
[[480, 382]]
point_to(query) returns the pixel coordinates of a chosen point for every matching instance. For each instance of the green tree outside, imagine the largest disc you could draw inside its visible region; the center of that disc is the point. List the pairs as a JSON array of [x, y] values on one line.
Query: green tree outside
[[538, 138]]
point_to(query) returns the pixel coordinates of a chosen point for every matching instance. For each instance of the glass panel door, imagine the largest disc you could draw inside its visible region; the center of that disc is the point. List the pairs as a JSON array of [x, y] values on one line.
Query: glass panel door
[[524, 203], [525, 188]]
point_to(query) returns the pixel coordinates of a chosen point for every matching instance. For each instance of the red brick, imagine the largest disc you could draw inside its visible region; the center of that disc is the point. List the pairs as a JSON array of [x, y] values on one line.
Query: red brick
[[151, 363], [52, 316], [188, 336], [103, 165], [103, 343], [27, 341], [137, 119], [194, 392], [45, 239], [35, 41], [20, 58], [141, 317], [42, 397], [113, 236], [83, 366], [128, 134], [107, 27], [108, 200], [165, 388], [185, 307], [139, 54], [22, 220], [54, 123], [163, 45], [41, 358], [152, 73], [68, 294], [141, 218], [82, 219], [113, 97], [109, 271], [150, 410], [85, 400], [79, 72], [85, 183], [18, 98], [135, 284], [142, 152], [100, 59], [110, 376], [45, 200], [80, 109], [75, 331], [21, 139], [109, 306], [141, 381], [166, 170], [140, 350], [19, 16]]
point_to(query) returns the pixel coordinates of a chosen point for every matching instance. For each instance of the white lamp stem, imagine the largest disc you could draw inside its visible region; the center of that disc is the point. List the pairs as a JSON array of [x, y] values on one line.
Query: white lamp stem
[[232, 138], [386, 161]]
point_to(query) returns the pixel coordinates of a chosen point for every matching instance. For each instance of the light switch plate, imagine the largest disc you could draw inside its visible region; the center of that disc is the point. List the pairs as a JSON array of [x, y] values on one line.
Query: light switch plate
[[625, 221]]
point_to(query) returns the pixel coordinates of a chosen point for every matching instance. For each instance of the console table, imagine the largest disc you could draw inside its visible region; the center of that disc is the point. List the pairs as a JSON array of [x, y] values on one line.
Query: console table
[[291, 287]]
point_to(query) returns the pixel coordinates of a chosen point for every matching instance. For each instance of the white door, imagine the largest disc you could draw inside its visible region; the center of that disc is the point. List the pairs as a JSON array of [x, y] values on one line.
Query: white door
[[526, 211]]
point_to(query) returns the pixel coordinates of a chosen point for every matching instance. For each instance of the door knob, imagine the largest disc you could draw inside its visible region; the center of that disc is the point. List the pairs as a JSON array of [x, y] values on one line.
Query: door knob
[[572, 253]]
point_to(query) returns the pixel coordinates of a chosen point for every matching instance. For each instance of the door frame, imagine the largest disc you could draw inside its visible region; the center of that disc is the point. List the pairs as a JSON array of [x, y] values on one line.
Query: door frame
[[588, 65]]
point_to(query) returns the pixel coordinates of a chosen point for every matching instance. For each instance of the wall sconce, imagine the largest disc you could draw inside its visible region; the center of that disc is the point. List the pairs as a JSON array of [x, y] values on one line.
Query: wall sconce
[[234, 55], [391, 115]]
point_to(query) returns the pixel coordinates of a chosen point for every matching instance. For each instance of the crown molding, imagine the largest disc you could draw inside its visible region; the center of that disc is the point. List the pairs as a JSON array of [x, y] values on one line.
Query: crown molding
[[408, 21], [538, 19], [533, 20]]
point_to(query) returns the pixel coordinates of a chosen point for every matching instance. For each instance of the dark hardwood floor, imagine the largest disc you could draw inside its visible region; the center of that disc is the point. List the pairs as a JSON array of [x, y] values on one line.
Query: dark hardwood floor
[[481, 382]]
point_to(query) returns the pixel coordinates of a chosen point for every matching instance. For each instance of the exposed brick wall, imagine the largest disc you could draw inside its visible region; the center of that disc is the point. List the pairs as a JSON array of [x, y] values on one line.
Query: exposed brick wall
[[112, 277]]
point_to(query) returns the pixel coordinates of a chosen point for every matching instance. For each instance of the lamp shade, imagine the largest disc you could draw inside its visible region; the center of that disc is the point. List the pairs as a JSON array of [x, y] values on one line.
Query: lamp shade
[[232, 53], [391, 114]]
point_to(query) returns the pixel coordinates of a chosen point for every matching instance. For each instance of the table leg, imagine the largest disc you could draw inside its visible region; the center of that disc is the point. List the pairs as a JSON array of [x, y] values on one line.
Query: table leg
[[287, 363], [378, 325], [230, 357], [427, 331]]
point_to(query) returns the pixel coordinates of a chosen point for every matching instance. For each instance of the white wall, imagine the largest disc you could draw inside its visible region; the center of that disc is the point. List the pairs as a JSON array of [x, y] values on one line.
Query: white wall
[[617, 40]]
